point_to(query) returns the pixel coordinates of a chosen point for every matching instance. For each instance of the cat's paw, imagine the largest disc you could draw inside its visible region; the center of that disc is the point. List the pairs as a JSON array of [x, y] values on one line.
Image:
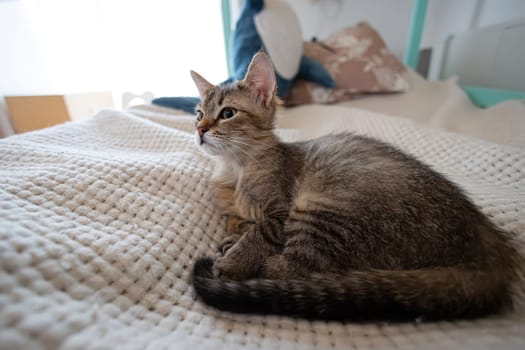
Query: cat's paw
[[228, 268], [227, 243], [233, 224]]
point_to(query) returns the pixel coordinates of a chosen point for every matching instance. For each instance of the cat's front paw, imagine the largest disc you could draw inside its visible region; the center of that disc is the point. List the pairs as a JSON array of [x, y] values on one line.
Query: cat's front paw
[[228, 268], [227, 243], [234, 224]]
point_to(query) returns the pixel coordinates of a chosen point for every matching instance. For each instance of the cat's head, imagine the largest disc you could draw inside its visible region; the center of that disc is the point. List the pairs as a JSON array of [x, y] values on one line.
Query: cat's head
[[238, 117]]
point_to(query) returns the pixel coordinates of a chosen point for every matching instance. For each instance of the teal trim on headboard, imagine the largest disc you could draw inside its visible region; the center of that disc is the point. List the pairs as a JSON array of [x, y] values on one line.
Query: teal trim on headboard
[[486, 97], [417, 21], [227, 28]]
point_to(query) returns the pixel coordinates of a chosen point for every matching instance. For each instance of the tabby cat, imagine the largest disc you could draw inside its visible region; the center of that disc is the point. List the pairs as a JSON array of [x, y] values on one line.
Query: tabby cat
[[339, 227]]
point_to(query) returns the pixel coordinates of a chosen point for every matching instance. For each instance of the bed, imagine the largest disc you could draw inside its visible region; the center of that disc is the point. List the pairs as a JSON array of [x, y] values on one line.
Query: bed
[[100, 221]]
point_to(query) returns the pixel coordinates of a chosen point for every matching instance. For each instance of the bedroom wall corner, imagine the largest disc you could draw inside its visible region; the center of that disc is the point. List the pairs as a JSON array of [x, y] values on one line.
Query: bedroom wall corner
[[6, 129]]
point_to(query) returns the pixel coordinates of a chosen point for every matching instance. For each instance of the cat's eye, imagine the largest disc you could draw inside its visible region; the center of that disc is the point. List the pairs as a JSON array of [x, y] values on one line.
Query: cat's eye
[[227, 113], [199, 115]]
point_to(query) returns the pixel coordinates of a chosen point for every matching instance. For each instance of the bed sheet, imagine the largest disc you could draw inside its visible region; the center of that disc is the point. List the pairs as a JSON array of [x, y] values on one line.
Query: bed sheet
[[101, 220], [444, 105]]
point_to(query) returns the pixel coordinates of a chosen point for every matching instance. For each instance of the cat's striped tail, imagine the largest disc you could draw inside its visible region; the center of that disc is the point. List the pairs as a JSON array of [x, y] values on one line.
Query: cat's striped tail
[[445, 292]]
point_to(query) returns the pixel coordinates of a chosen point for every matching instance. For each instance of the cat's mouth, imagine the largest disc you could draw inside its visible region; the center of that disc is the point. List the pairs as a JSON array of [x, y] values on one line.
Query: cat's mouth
[[199, 140], [206, 145], [204, 142], [210, 148]]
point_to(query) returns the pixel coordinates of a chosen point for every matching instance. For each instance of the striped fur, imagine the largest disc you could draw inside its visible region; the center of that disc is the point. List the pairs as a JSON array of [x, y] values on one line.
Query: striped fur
[[339, 227]]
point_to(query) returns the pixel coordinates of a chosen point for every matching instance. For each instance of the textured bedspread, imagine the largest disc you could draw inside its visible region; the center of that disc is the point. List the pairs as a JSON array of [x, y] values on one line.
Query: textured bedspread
[[100, 222]]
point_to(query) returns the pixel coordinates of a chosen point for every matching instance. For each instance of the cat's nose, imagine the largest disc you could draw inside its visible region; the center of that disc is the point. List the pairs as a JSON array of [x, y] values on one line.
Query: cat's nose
[[201, 130]]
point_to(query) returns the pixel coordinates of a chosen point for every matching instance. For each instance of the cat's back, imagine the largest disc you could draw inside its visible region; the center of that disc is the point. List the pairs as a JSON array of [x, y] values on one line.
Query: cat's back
[[346, 157], [389, 200], [356, 175]]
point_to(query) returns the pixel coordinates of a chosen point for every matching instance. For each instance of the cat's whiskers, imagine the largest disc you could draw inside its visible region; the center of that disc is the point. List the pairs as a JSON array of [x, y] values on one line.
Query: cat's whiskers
[[224, 147], [248, 141], [244, 140], [235, 156], [268, 150], [245, 152]]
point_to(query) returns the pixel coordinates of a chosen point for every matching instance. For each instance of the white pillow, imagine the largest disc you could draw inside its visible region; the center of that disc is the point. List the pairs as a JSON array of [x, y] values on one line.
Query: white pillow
[[280, 32]]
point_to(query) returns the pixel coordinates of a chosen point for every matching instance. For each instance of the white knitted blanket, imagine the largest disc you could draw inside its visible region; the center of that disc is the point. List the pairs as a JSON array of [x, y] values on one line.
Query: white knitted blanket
[[101, 220]]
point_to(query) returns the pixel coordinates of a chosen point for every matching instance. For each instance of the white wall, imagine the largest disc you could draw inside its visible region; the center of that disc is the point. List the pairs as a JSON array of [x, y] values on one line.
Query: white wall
[[76, 46], [59, 46]]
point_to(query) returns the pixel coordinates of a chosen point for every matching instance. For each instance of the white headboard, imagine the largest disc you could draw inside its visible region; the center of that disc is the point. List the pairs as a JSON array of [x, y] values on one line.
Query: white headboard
[[491, 57]]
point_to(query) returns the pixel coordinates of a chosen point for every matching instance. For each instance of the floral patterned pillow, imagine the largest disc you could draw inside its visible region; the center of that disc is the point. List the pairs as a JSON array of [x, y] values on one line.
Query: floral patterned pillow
[[358, 60]]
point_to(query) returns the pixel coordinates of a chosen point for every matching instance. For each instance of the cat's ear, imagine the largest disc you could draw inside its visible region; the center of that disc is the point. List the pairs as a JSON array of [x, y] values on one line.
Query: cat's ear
[[260, 78], [202, 84]]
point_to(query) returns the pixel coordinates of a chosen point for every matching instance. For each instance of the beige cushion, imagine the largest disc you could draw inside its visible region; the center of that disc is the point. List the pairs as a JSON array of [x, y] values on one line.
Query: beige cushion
[[358, 60]]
